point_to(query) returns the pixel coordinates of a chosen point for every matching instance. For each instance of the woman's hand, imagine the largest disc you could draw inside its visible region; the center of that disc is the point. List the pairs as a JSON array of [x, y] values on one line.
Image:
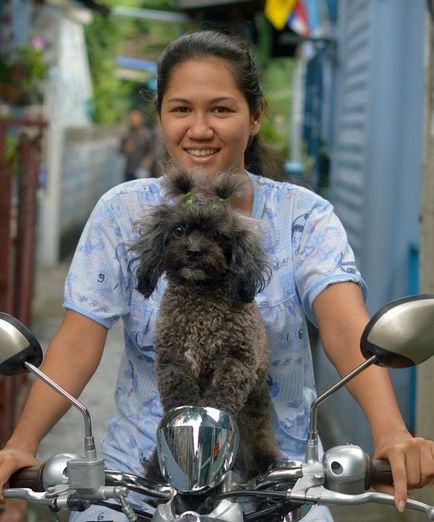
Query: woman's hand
[[412, 463], [11, 460]]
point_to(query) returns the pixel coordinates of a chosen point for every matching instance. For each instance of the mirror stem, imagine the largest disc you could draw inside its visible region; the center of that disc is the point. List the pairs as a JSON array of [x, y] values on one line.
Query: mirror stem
[[89, 443], [312, 441]]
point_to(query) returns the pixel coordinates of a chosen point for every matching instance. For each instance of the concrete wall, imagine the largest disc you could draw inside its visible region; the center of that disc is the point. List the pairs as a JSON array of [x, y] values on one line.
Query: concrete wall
[[88, 165], [68, 93], [91, 165]]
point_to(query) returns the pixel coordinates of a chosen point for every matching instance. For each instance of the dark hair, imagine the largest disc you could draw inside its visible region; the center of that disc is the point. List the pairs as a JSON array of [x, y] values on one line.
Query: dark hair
[[210, 43]]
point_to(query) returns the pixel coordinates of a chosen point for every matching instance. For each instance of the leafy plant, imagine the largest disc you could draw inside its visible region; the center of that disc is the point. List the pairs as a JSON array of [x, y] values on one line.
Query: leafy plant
[[277, 84], [112, 36], [21, 73]]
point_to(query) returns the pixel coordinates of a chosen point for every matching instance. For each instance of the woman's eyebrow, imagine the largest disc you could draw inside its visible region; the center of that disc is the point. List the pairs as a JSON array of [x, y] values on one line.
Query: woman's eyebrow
[[219, 99], [178, 100]]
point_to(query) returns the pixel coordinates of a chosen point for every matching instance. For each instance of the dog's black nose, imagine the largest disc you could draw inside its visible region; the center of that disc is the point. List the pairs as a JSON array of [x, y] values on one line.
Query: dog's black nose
[[193, 253]]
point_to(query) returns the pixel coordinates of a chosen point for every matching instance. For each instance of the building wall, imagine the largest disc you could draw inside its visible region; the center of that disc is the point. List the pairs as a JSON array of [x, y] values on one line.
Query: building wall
[[81, 161], [425, 372], [376, 181], [15, 22], [91, 165], [376, 161]]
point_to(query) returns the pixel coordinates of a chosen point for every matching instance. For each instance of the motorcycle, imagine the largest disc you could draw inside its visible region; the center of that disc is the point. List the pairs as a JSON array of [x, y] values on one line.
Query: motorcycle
[[196, 446]]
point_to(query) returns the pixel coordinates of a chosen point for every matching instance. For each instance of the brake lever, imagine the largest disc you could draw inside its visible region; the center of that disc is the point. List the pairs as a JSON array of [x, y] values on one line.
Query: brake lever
[[63, 497], [56, 498], [321, 495], [31, 496]]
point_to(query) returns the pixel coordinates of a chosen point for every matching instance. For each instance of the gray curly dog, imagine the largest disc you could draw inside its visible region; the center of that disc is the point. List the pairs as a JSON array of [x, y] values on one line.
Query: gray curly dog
[[210, 344]]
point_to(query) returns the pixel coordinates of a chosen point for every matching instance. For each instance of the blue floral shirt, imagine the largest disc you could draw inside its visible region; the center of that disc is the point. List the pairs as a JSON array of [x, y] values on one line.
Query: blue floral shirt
[[308, 250]]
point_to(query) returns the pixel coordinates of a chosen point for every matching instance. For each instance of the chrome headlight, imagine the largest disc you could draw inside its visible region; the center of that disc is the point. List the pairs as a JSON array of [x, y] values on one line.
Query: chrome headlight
[[196, 447]]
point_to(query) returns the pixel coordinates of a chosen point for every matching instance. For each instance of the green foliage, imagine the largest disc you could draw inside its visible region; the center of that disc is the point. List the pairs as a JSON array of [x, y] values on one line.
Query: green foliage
[[112, 36], [153, 4], [277, 82], [104, 37], [25, 64], [22, 72]]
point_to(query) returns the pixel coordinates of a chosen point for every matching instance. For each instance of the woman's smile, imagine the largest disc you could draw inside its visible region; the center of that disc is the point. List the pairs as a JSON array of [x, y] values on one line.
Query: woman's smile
[[201, 153]]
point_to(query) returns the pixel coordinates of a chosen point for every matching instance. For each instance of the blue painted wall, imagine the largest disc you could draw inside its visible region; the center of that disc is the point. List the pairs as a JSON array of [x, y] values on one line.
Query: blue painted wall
[[376, 165]]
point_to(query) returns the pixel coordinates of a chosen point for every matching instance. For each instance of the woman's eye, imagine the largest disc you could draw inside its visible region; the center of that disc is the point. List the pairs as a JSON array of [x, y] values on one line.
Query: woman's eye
[[179, 231], [221, 110], [180, 109]]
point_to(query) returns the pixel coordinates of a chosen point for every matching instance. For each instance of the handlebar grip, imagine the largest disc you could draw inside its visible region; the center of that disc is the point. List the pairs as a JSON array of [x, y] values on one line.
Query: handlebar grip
[[30, 477], [380, 473]]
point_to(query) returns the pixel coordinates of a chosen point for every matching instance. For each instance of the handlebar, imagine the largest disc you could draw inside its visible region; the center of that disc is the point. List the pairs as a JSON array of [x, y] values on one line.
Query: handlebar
[[379, 473], [290, 486], [30, 477]]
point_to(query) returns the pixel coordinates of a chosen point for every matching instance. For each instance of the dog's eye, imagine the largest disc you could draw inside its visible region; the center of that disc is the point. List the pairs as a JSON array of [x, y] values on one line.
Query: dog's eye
[[179, 231], [217, 236]]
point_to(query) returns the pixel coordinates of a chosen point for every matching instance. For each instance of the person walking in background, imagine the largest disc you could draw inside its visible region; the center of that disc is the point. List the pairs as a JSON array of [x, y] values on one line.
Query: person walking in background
[[137, 146]]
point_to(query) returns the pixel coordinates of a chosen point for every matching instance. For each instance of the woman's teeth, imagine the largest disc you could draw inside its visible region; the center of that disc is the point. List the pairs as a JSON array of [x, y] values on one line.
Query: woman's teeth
[[201, 152]]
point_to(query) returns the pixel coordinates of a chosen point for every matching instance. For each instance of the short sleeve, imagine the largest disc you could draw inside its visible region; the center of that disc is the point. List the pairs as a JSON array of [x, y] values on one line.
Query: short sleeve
[[98, 283], [322, 254]]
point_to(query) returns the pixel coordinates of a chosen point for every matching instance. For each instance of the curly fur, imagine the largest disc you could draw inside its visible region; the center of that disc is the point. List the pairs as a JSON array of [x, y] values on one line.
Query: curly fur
[[211, 347]]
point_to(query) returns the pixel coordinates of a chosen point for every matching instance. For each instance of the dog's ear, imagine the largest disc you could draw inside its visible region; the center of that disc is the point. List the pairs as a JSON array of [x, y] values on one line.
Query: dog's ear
[[228, 185], [150, 247], [249, 265], [178, 182]]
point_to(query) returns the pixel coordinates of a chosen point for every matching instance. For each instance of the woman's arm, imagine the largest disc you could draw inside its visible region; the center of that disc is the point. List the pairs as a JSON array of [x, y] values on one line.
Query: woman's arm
[[342, 316], [71, 359]]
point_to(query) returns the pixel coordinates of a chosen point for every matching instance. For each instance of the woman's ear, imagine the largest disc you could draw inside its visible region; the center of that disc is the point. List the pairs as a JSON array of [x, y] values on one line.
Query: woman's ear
[[255, 124]]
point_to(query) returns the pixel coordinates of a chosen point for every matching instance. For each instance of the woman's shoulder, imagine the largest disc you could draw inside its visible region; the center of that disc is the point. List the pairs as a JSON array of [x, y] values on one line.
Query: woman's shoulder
[[144, 189], [287, 194], [124, 205], [132, 197]]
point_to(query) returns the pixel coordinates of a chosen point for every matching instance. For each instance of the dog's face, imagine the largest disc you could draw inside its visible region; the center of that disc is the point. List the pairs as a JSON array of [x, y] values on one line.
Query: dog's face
[[200, 243], [200, 239]]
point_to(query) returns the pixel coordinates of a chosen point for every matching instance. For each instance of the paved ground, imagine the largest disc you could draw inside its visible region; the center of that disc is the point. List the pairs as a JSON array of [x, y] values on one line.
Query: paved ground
[[67, 435]]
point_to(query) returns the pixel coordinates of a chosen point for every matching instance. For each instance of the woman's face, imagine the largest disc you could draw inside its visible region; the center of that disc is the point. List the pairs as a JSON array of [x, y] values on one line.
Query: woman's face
[[205, 120]]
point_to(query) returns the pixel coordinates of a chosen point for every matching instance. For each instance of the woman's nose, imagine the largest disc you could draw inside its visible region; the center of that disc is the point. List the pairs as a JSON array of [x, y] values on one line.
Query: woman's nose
[[200, 128]]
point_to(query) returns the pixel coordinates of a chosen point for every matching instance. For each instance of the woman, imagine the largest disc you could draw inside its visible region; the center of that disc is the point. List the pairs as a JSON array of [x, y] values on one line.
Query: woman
[[209, 105]]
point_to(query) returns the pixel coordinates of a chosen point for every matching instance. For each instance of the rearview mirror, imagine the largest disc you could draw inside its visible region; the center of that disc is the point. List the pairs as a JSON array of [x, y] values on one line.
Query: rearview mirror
[[17, 346], [21, 352], [401, 334]]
